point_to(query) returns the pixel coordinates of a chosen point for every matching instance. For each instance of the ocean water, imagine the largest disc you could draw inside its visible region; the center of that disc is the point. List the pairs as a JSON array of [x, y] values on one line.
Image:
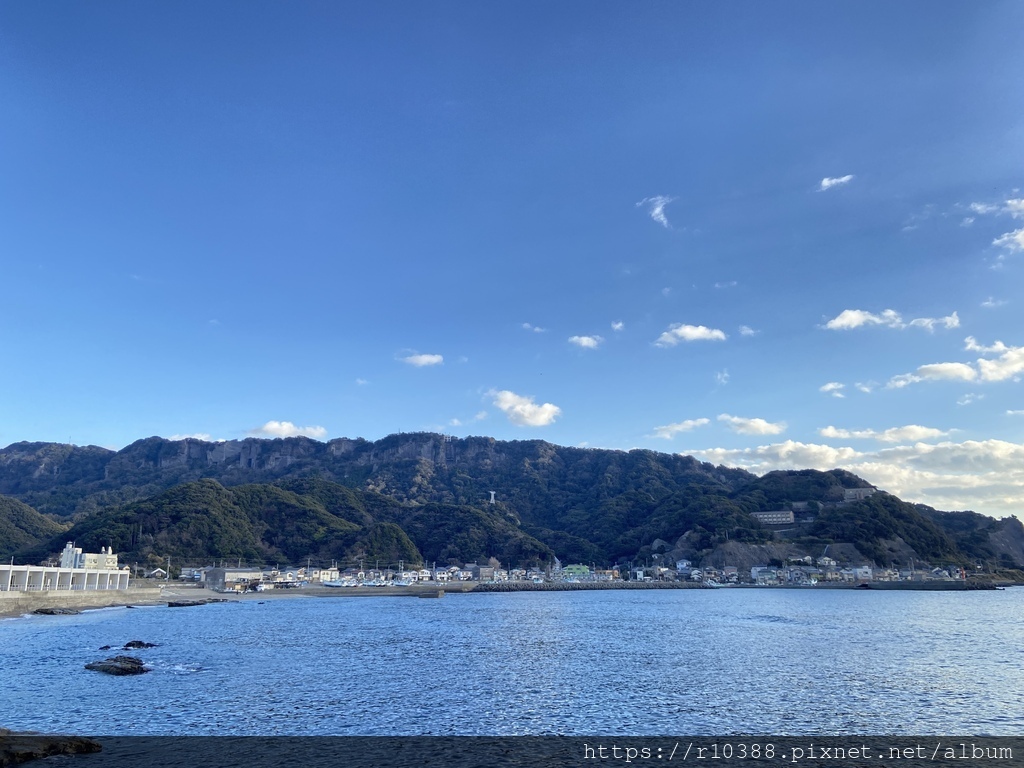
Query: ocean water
[[728, 661]]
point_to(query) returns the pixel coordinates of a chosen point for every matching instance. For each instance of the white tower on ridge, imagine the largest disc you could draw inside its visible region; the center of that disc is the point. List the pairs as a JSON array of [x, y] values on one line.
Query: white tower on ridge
[[492, 496]]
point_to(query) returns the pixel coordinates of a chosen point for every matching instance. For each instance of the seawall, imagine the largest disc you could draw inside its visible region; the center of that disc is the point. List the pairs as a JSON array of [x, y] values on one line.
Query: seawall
[[17, 603]]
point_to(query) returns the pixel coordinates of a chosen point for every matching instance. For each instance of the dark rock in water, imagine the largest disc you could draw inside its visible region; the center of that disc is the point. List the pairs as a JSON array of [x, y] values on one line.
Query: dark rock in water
[[131, 644], [17, 748], [104, 647], [56, 611], [184, 603], [119, 665], [129, 606]]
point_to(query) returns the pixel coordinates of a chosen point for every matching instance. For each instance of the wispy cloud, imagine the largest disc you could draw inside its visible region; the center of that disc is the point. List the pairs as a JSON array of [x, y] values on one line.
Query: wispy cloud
[[361, 382], [983, 209], [910, 433], [991, 303], [849, 319], [987, 476], [1011, 241], [1015, 413], [618, 325], [746, 330], [867, 387], [669, 431], [656, 208], [679, 332], [205, 437], [533, 328], [970, 397], [752, 426], [287, 429], [722, 377], [833, 388], [830, 182], [420, 361], [728, 284], [934, 372], [586, 342], [523, 411]]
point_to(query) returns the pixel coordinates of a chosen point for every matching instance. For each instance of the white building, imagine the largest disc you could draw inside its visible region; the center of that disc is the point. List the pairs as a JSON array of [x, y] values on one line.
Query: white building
[[77, 571], [73, 557]]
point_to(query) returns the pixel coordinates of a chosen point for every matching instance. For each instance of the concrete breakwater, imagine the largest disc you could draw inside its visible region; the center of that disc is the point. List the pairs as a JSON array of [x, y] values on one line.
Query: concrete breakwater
[[572, 586], [16, 603]]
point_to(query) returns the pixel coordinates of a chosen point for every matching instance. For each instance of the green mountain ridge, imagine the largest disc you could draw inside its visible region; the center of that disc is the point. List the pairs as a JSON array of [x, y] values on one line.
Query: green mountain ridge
[[422, 496]]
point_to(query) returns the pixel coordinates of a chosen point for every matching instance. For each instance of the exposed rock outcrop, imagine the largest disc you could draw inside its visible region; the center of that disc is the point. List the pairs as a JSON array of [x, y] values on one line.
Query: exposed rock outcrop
[[119, 666]]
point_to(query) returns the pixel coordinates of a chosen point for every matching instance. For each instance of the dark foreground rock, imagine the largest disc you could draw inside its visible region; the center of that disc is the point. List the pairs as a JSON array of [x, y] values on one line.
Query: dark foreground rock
[[17, 748], [56, 611], [119, 665]]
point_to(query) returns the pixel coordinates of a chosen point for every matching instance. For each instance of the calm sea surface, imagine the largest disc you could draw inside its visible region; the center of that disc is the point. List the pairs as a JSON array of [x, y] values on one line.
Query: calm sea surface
[[612, 662]]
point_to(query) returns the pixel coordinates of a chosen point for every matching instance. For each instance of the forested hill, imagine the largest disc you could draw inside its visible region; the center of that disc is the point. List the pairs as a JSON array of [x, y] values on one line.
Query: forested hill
[[423, 496], [534, 478]]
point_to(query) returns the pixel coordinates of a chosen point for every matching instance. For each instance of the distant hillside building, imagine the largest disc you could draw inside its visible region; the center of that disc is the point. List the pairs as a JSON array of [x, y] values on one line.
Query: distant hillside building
[[858, 494], [775, 517]]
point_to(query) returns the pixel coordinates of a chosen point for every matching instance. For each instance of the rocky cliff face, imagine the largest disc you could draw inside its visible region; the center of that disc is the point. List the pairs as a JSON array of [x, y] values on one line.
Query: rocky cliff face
[[63, 479]]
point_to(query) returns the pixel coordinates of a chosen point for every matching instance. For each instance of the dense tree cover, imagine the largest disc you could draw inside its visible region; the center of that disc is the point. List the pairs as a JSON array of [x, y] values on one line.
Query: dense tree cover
[[22, 526], [584, 505], [883, 516]]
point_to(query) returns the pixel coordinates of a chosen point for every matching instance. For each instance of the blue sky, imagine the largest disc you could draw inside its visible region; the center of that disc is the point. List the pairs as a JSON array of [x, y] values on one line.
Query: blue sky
[[775, 235]]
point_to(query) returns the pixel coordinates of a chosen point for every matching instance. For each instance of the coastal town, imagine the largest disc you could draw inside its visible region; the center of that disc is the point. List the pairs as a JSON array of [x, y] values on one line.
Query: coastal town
[[81, 571]]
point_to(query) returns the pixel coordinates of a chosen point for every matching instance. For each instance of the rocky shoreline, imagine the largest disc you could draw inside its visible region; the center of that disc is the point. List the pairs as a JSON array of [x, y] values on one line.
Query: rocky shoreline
[[17, 747]]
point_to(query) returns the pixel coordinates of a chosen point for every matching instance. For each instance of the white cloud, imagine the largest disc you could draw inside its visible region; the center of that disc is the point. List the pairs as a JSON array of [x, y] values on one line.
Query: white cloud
[[971, 345], [855, 318], [287, 429], [1015, 208], [746, 330], [983, 209], [678, 332], [618, 325], [929, 323], [833, 388], [849, 319], [656, 208], [671, 430], [533, 328], [867, 387], [991, 303], [1015, 413], [197, 436], [722, 377], [752, 426], [666, 291], [362, 382], [455, 423], [909, 433], [523, 411], [480, 416], [1008, 365], [1012, 241], [966, 221], [934, 372], [828, 183], [586, 342], [729, 284], [421, 361], [986, 476], [969, 398]]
